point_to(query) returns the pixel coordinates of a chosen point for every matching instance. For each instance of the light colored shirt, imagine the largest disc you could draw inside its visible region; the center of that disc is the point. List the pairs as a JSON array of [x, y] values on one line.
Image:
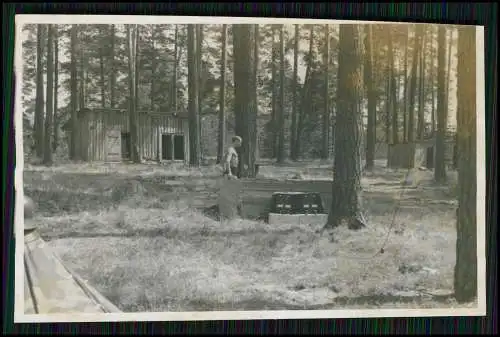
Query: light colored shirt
[[231, 157]]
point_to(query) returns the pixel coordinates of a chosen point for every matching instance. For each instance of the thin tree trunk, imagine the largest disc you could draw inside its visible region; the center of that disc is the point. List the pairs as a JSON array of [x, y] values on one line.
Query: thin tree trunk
[[136, 67], [132, 64], [222, 97], [433, 86], [39, 103], [255, 140], [326, 113], [47, 153], [448, 67], [421, 92], [74, 153], [55, 143], [274, 99], [392, 93], [305, 91], [281, 123], [81, 75], [293, 152], [372, 100], [153, 70], [112, 74], [101, 72], [405, 88], [174, 80], [194, 113], [346, 190], [465, 281], [413, 83], [440, 167]]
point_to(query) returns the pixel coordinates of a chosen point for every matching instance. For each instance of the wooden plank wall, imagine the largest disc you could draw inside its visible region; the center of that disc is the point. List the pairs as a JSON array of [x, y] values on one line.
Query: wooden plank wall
[[95, 124]]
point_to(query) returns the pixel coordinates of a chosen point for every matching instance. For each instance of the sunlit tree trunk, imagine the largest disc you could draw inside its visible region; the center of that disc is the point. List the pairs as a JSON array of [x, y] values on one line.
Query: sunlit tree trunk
[[74, 153], [281, 119], [132, 64], [326, 113], [442, 114], [55, 142]]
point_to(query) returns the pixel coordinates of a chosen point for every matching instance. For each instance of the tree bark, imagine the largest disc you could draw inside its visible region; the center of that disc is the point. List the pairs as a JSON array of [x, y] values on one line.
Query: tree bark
[[405, 88], [448, 67], [255, 145], [244, 99], [442, 114], [74, 153], [222, 97], [392, 94], [326, 113], [281, 120], [293, 152], [194, 113], [132, 64], [112, 75], [102, 72], [39, 103], [274, 98], [413, 83], [421, 91], [433, 85], [465, 281], [305, 91], [47, 153], [371, 137], [201, 77], [55, 142], [137, 77], [154, 65], [174, 80], [346, 191]]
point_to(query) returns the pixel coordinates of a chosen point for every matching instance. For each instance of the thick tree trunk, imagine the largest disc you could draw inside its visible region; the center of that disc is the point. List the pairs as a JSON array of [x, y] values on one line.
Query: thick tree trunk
[[47, 153], [281, 120], [39, 103], [293, 152], [201, 77], [442, 114], [154, 65], [136, 67], [448, 67], [243, 94], [433, 85], [392, 94], [74, 153], [55, 142], [346, 192], [194, 113], [372, 100], [465, 282], [326, 113], [222, 97]]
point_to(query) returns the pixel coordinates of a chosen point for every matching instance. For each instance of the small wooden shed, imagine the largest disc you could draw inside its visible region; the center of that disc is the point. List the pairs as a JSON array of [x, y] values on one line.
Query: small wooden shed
[[104, 135]]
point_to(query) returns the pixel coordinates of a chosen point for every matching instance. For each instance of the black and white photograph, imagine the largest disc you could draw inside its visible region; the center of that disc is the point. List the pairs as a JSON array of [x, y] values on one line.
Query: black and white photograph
[[206, 168]]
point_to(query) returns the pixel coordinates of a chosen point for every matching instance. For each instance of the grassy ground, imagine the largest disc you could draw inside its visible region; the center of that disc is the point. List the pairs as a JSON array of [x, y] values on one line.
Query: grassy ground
[[138, 234]]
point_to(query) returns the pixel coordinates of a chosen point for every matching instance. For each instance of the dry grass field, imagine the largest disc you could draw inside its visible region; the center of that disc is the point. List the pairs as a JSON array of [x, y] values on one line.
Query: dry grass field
[[138, 233]]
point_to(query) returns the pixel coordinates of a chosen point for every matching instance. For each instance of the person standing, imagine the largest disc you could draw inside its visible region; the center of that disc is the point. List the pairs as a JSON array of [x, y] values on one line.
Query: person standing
[[231, 160]]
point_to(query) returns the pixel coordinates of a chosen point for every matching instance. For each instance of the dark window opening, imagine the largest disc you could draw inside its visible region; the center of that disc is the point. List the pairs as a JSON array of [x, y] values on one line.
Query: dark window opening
[[179, 147], [166, 147], [126, 145], [172, 147]]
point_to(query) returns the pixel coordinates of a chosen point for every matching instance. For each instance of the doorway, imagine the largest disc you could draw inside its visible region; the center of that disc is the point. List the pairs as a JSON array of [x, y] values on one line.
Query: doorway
[[125, 140], [172, 147]]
